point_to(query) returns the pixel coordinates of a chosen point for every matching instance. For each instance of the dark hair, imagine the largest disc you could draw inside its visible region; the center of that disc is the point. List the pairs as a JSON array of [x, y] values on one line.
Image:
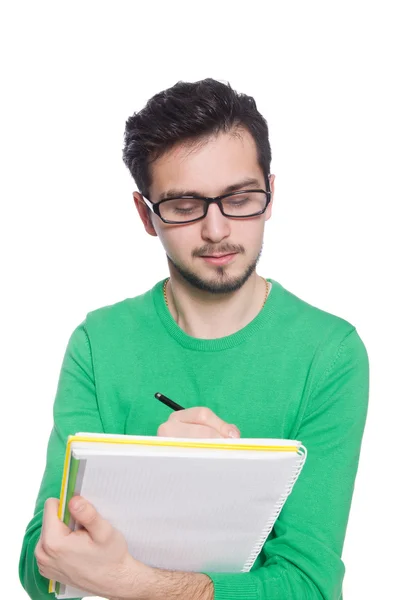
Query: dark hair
[[188, 112]]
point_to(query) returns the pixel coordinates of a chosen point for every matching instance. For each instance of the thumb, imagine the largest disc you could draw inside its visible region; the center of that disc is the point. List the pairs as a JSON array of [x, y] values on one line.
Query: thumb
[[87, 515]]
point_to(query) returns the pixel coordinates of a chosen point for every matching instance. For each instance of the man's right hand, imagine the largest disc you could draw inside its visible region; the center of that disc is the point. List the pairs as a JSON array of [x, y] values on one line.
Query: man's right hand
[[197, 422]]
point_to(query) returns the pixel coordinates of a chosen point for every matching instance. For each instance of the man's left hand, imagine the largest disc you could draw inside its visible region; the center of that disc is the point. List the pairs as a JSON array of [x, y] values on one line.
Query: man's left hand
[[94, 559]]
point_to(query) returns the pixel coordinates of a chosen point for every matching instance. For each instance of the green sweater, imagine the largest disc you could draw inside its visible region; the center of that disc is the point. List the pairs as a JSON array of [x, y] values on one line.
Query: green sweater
[[294, 371]]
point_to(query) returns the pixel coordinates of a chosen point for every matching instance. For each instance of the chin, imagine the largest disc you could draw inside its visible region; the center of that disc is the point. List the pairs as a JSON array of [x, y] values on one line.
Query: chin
[[222, 280]]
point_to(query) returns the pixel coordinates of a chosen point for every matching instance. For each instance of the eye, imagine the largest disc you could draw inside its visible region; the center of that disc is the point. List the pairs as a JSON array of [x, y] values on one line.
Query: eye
[[245, 204], [237, 201], [180, 209], [185, 206]]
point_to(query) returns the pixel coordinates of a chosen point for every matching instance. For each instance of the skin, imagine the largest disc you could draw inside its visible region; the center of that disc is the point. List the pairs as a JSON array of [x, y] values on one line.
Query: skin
[[210, 168], [207, 301]]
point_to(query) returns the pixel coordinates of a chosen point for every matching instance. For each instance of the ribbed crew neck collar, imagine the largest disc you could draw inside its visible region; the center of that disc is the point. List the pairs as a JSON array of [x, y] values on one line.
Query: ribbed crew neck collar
[[213, 345]]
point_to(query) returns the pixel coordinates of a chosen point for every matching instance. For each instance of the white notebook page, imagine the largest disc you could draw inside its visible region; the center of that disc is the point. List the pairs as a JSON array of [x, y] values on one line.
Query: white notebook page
[[190, 513]]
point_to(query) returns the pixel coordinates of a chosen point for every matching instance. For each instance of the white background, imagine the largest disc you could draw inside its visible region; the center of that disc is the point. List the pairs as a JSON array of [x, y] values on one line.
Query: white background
[[322, 74]]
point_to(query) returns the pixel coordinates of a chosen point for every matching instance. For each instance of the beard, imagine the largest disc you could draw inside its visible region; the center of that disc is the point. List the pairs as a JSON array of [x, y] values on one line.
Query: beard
[[222, 284]]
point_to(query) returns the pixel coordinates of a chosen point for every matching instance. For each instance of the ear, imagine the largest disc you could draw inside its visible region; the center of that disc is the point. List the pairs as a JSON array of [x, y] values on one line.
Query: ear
[[268, 212], [271, 181], [145, 213]]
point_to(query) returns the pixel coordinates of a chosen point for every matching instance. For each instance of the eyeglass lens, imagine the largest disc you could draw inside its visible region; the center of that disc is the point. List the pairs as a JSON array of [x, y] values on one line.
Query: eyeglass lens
[[239, 205]]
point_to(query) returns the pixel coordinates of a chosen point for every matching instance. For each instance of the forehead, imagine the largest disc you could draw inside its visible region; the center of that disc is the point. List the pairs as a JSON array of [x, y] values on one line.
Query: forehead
[[207, 165]]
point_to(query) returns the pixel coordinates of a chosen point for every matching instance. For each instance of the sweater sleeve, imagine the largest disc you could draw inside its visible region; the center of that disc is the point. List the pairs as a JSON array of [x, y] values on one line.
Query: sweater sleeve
[[75, 409], [303, 557]]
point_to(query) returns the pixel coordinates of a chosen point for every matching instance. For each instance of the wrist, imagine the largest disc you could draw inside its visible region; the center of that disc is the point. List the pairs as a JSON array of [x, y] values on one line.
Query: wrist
[[135, 581]]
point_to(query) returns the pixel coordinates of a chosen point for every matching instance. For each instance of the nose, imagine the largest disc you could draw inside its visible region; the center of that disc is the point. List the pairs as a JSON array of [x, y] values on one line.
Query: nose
[[215, 227]]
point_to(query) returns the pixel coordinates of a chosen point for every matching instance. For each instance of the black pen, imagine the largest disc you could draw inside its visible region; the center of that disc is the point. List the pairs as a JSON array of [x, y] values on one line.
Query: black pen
[[168, 402]]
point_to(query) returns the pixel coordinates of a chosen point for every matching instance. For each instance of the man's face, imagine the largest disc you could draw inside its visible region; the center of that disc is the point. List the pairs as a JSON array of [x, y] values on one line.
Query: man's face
[[209, 168]]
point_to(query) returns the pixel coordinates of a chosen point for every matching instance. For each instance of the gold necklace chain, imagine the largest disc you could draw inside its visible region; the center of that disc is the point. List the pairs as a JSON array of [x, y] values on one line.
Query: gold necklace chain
[[167, 280]]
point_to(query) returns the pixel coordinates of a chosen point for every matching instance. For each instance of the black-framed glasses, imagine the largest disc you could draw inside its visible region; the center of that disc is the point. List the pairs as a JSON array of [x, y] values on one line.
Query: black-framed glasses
[[187, 209]]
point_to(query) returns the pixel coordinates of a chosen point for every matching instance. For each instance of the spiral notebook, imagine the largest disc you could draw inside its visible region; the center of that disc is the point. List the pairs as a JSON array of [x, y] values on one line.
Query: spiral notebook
[[204, 505]]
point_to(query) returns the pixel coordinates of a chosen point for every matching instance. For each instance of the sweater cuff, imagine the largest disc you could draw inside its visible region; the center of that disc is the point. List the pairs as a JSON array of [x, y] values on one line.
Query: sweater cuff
[[234, 586]]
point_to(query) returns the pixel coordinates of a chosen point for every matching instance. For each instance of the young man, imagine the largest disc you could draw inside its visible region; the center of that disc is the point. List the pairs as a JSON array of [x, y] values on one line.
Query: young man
[[244, 355]]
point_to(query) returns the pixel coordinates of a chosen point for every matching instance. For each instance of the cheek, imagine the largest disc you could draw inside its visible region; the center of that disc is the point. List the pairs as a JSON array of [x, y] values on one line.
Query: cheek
[[249, 234], [179, 241]]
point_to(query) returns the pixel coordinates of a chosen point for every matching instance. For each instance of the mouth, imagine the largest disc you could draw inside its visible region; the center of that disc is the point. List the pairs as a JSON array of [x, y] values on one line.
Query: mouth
[[219, 259]]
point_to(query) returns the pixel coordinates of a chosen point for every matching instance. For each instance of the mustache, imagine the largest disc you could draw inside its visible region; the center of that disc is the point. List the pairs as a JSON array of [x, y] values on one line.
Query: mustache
[[209, 250]]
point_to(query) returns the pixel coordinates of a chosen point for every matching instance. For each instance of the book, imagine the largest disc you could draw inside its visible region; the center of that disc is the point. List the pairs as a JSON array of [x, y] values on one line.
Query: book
[[202, 505]]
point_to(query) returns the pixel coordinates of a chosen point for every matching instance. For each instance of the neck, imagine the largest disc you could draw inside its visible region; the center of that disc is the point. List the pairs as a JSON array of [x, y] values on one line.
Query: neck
[[209, 316]]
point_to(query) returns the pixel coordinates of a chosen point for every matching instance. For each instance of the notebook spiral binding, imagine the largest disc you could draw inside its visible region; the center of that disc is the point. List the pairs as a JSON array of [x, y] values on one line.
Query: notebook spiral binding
[[302, 452]]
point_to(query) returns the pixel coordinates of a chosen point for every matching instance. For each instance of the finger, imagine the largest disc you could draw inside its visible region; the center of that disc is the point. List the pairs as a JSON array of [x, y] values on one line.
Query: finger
[[39, 553], [186, 430], [86, 514], [52, 529], [201, 415]]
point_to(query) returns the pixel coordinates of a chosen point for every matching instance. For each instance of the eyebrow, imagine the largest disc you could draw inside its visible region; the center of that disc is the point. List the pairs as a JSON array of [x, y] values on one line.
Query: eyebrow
[[176, 193]]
